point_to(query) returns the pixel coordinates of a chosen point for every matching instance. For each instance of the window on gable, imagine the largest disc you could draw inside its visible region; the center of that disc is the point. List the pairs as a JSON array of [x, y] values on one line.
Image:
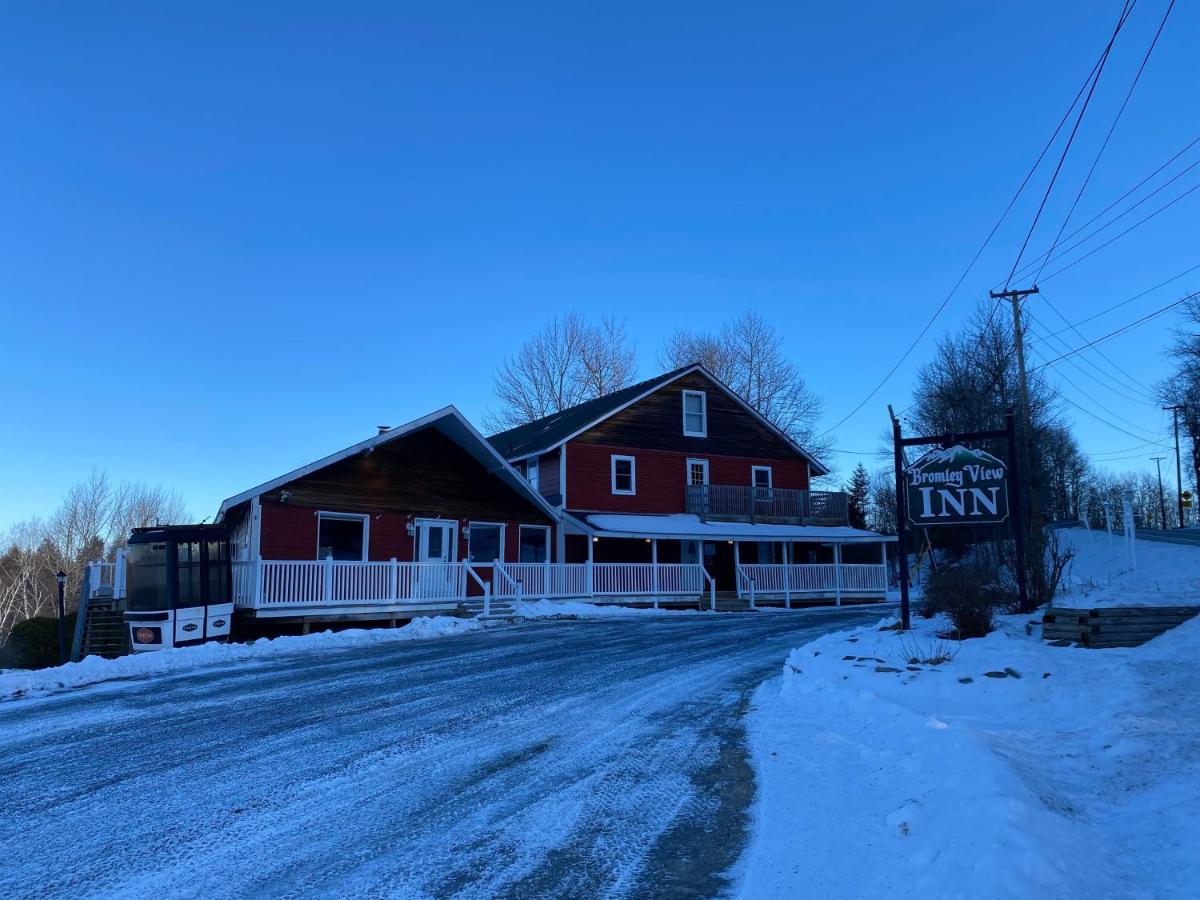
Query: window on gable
[[623, 477], [695, 414], [532, 473]]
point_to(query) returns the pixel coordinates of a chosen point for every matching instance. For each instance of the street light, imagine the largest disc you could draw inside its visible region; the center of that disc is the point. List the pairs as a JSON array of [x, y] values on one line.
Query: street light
[[61, 578]]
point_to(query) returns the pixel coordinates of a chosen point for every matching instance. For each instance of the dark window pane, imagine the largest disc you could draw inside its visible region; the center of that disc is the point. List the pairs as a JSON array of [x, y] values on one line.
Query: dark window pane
[[340, 539], [188, 571], [146, 585], [533, 544], [484, 543]]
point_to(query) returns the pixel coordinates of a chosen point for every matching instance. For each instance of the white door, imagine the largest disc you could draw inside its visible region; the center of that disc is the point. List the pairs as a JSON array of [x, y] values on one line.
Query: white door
[[436, 545]]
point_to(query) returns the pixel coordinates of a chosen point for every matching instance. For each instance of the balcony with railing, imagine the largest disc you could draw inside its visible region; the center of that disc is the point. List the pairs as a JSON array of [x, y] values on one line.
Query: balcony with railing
[[742, 502]]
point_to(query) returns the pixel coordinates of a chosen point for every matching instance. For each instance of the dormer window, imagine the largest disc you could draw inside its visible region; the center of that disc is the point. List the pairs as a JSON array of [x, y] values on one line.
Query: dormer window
[[695, 414]]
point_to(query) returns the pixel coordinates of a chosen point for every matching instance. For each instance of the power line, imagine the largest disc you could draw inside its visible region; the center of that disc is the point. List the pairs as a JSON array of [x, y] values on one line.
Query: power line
[[1108, 137], [1117, 237], [1095, 80], [1146, 393], [986, 241], [1082, 392], [1044, 255], [1121, 330], [1126, 302]]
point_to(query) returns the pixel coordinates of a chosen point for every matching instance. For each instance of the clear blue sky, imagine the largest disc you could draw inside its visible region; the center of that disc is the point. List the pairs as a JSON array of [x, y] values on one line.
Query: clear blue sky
[[237, 236]]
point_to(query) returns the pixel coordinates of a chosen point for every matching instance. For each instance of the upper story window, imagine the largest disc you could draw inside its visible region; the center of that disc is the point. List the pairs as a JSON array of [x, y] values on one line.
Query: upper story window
[[695, 414], [697, 472], [760, 477], [624, 479], [531, 472]]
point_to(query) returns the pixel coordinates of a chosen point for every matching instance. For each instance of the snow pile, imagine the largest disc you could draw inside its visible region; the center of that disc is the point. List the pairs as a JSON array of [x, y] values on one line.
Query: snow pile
[[1102, 573], [577, 609], [1065, 772], [22, 682]]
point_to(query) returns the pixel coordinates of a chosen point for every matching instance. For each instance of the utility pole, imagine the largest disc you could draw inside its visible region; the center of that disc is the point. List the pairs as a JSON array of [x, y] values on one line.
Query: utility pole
[[1178, 466], [1162, 503], [1032, 509]]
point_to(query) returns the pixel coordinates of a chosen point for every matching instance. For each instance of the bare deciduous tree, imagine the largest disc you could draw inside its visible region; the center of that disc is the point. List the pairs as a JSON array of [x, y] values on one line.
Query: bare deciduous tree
[[570, 360], [93, 520], [747, 354]]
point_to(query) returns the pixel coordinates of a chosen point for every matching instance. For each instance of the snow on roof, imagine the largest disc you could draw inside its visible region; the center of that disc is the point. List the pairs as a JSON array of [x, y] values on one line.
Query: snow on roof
[[686, 526]]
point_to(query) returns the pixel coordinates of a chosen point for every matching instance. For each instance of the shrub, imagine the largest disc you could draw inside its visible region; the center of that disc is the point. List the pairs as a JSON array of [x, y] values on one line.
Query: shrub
[[33, 643], [969, 594]]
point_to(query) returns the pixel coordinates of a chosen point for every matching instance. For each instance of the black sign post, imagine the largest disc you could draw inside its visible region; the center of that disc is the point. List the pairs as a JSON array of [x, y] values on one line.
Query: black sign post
[[958, 486]]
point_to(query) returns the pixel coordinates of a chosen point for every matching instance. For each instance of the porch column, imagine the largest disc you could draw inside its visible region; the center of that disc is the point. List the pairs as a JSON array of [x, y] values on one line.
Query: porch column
[[654, 569], [737, 570], [883, 562], [591, 542], [837, 574], [787, 574]]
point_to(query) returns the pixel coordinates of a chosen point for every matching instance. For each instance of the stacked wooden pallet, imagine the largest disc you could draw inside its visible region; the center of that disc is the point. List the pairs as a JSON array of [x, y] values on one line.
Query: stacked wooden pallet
[[1113, 626]]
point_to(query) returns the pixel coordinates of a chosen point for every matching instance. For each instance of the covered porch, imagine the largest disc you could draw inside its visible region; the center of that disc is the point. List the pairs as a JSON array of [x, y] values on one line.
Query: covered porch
[[763, 564]]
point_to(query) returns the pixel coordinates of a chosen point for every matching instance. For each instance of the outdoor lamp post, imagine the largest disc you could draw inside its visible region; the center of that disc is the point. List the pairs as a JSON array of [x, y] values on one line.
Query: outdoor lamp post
[[61, 578]]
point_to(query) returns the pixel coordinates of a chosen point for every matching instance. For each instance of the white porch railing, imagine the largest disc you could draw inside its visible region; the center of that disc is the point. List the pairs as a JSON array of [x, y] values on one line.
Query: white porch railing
[[266, 583], [107, 579], [756, 579], [562, 580]]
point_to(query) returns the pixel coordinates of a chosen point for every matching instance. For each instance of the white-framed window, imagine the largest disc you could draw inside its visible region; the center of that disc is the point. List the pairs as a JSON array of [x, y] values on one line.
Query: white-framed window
[[695, 414], [760, 479], [485, 543], [624, 475], [531, 472], [697, 472], [534, 543], [343, 536]]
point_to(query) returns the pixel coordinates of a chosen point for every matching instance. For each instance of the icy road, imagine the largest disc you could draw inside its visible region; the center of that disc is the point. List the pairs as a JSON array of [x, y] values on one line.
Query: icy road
[[575, 758]]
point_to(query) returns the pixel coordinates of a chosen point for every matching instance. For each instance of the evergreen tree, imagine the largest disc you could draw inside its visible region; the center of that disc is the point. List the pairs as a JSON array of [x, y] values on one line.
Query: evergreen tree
[[859, 499]]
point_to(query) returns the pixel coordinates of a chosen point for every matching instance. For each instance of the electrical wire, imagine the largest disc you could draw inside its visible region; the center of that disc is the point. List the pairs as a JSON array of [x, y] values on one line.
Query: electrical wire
[[1126, 302], [1044, 255], [1098, 71], [1119, 331], [1108, 137]]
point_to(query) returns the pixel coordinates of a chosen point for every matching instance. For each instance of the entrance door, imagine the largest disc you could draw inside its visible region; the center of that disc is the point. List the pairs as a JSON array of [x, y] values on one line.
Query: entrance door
[[436, 545]]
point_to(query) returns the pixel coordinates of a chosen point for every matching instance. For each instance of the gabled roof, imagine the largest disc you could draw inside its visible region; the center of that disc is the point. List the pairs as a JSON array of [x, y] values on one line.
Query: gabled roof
[[449, 421], [543, 435]]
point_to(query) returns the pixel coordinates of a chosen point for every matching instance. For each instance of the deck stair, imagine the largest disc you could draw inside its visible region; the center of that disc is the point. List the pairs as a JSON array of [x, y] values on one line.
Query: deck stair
[[500, 608], [1113, 626], [104, 632]]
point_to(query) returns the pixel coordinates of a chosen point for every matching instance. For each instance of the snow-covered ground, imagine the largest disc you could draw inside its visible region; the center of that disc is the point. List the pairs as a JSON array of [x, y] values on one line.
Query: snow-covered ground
[[591, 758], [1064, 772], [1103, 574], [93, 670]]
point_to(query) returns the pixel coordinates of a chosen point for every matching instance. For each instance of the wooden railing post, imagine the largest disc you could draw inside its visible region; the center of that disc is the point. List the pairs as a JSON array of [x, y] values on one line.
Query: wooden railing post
[[837, 574], [327, 580], [259, 575], [787, 575], [393, 579]]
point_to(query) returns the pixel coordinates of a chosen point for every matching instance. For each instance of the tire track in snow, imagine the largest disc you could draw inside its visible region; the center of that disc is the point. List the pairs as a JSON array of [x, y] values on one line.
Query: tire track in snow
[[544, 760]]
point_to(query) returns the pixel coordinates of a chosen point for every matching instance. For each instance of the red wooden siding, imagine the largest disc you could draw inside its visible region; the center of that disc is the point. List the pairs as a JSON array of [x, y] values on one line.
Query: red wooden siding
[[660, 477], [290, 532]]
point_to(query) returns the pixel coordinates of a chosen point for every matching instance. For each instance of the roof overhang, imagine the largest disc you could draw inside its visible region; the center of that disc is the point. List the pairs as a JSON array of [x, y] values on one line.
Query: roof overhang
[[687, 527], [450, 422]]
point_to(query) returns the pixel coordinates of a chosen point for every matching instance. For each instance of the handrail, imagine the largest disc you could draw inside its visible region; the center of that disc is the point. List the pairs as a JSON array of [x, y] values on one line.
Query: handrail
[[81, 615], [742, 573], [498, 567], [487, 588], [712, 589]]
